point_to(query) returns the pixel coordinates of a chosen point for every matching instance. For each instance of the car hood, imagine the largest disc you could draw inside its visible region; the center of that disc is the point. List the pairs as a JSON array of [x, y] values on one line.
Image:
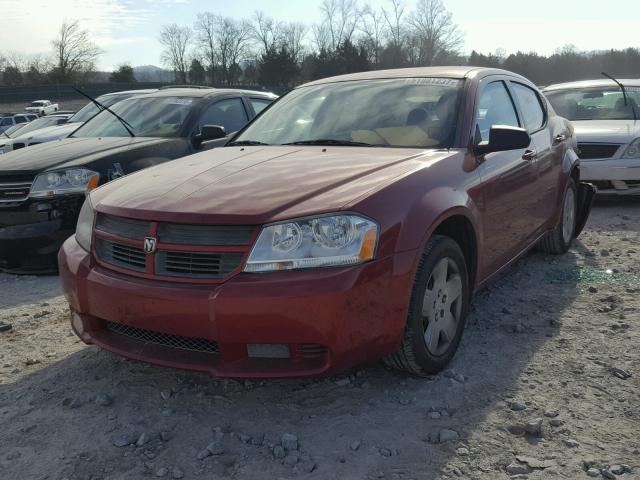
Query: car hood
[[258, 184], [48, 134], [607, 131], [68, 152]]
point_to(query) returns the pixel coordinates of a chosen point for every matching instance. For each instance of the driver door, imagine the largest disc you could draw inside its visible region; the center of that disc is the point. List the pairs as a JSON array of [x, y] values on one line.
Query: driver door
[[229, 113], [509, 181]]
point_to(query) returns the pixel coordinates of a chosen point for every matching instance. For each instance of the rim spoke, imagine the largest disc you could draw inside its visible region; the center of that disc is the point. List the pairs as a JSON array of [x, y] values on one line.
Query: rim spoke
[[439, 274], [427, 303], [449, 326], [432, 336], [453, 289]]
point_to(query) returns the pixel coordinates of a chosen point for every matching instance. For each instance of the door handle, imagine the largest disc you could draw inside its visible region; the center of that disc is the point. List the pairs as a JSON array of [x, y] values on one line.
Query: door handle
[[530, 155], [559, 139]]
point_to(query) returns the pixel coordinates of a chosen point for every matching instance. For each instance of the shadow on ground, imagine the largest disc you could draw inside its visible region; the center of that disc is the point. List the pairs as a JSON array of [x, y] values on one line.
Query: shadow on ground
[[370, 423]]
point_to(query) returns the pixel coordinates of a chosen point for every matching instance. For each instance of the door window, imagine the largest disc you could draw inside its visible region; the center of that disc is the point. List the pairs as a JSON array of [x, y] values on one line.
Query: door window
[[495, 107], [532, 111], [259, 104], [228, 113], [21, 119]]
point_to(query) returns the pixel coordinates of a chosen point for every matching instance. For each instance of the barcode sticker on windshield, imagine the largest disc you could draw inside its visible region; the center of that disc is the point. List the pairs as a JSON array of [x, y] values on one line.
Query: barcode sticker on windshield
[[178, 101], [443, 82]]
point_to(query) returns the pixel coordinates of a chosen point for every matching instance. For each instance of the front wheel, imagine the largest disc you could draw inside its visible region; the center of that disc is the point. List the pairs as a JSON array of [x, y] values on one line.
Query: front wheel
[[437, 312], [559, 240]]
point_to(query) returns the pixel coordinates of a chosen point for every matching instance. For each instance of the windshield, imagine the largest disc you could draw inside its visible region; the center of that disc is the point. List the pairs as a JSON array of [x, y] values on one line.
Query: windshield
[[36, 125], [148, 117], [19, 127], [408, 112], [602, 103], [37, 104], [91, 109]]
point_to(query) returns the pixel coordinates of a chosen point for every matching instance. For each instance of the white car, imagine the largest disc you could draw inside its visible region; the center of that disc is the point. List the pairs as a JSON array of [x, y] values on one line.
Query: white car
[[607, 127], [42, 107], [87, 112]]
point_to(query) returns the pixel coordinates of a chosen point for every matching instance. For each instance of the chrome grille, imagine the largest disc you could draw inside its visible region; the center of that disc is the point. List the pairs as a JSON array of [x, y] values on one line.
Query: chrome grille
[[123, 227], [196, 264], [588, 151], [121, 255], [15, 189], [172, 341], [205, 234]]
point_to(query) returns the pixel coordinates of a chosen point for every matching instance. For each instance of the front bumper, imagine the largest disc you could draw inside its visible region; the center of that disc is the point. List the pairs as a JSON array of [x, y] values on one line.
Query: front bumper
[[618, 176], [36, 229], [327, 319]]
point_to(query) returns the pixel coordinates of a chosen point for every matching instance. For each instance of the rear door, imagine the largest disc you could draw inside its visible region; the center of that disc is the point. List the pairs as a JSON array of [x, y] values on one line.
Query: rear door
[[509, 180], [548, 152]]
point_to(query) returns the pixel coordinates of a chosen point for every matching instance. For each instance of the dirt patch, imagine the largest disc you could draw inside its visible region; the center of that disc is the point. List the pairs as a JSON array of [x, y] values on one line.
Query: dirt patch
[[546, 384]]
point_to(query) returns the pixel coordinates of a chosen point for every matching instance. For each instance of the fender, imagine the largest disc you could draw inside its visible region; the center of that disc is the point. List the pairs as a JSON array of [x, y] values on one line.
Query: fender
[[433, 208]]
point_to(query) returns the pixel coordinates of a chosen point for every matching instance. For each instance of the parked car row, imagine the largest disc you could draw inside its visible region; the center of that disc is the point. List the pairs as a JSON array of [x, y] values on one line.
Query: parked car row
[[11, 120], [351, 220]]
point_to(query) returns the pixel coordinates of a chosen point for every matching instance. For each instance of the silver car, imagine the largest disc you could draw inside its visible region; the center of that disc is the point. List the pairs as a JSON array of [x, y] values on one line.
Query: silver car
[[606, 119]]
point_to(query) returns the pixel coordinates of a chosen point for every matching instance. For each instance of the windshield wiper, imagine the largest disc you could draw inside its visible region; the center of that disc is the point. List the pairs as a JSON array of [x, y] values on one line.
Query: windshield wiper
[[245, 142], [124, 123], [624, 94], [331, 141]]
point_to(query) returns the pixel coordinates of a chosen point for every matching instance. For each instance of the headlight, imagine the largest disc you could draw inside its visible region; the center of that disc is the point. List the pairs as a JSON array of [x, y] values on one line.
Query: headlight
[[85, 225], [633, 150], [75, 180], [325, 241]]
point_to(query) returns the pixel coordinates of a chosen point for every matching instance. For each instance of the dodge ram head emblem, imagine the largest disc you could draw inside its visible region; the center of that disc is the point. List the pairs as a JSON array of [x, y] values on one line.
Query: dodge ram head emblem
[[149, 244]]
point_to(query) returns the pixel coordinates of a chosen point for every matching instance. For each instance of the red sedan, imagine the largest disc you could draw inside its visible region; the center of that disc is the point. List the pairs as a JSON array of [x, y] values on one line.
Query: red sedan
[[351, 221]]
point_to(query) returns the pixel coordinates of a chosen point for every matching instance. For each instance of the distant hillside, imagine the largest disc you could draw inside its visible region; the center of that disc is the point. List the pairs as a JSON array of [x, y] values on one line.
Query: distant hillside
[[151, 73]]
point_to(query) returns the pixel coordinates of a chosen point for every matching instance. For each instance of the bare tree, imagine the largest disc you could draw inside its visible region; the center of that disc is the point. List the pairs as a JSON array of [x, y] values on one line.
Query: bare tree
[[176, 40], [395, 23], [341, 20], [434, 31], [292, 36], [321, 37], [207, 42], [266, 31], [224, 42], [372, 26], [75, 54]]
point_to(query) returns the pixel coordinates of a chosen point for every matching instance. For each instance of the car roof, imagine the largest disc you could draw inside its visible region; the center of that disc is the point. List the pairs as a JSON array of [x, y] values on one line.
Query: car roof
[[419, 72], [205, 92], [130, 92], [34, 101], [599, 82]]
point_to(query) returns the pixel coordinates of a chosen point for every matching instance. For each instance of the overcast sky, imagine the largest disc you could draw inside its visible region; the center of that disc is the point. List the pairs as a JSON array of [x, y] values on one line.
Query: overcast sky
[[128, 29]]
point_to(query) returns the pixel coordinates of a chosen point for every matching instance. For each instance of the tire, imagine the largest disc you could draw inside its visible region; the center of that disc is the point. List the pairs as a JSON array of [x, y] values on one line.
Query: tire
[[559, 240], [433, 330]]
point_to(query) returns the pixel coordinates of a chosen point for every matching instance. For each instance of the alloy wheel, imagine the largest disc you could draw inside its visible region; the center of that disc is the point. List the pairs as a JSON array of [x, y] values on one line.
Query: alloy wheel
[[442, 306]]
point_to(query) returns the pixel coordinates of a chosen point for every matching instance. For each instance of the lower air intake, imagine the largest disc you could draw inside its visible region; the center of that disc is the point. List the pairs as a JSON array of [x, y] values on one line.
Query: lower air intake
[[172, 341]]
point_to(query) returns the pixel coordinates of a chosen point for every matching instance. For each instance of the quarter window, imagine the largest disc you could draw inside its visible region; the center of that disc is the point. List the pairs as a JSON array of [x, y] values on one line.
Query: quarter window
[[532, 111], [228, 113], [495, 107], [259, 104]]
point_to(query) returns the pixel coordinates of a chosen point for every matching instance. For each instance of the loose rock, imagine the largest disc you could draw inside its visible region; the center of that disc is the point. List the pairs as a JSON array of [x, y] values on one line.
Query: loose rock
[[289, 441]]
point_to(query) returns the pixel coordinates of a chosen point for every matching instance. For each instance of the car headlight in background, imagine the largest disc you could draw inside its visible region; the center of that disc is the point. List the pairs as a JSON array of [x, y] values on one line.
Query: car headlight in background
[[62, 182], [633, 150], [323, 241], [84, 226]]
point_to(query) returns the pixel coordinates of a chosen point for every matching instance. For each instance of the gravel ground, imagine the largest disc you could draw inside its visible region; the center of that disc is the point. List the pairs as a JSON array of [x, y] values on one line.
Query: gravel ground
[[545, 385]]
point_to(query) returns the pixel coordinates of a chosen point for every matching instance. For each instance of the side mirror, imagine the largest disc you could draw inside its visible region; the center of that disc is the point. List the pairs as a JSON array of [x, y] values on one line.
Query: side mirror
[[502, 138], [209, 132]]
